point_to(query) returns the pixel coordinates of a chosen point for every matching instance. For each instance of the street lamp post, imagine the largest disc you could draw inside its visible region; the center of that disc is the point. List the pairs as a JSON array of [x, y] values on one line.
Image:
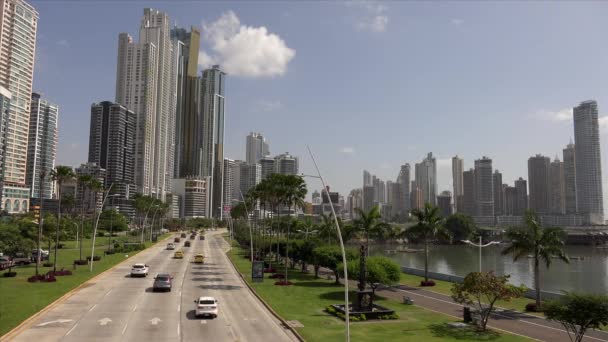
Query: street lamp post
[[96, 223], [480, 245], [346, 302], [249, 225], [153, 218], [143, 227], [111, 219]]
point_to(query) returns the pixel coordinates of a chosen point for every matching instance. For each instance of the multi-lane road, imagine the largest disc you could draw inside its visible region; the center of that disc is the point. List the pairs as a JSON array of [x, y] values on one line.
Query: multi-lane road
[[120, 308]]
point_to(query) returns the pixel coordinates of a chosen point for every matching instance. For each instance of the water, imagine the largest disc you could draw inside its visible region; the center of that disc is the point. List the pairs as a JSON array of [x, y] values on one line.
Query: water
[[587, 275]]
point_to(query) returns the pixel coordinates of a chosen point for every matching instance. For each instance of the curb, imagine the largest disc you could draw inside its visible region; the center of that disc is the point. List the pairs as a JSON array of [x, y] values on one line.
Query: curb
[[28, 321], [274, 313]]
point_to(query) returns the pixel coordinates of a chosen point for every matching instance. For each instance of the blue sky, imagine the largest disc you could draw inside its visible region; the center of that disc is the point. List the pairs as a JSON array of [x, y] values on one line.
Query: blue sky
[[368, 85]]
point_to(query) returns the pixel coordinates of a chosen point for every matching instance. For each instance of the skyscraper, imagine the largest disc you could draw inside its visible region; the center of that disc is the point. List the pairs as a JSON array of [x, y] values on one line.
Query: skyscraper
[[570, 179], [5, 100], [41, 145], [18, 40], [230, 168], [538, 176], [286, 164], [144, 85], [444, 202], [426, 178], [367, 178], [112, 147], [499, 195], [257, 147], [268, 166], [557, 188], [484, 187], [522, 196], [213, 84], [510, 201], [403, 199], [468, 189], [589, 196], [251, 174], [368, 197], [457, 169]]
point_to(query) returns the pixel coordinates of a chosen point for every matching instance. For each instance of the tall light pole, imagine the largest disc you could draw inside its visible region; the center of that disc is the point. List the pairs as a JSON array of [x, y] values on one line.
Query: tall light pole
[[153, 218], [480, 245], [143, 227], [344, 262], [96, 223], [249, 225], [111, 219]]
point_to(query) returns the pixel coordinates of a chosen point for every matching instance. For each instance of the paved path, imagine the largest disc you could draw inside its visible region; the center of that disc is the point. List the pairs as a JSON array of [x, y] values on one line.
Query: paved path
[[120, 308]]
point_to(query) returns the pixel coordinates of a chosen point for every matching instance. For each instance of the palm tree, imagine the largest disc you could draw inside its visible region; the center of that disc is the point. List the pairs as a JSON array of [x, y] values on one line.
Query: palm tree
[[60, 175], [429, 227], [294, 192], [369, 224], [542, 243]]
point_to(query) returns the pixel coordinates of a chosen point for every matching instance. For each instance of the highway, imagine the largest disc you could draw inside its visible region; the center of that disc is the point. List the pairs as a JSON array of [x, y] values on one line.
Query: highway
[[120, 308]]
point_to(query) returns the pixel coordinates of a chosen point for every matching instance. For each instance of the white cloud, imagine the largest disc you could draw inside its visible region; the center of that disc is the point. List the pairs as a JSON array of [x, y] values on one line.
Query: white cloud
[[603, 122], [63, 43], [244, 50], [347, 150], [268, 105], [457, 21], [374, 17], [555, 116]]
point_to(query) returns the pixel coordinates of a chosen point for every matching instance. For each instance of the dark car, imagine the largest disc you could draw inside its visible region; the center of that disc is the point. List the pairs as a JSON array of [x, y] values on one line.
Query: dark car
[[176, 239], [202, 237], [192, 237], [162, 282], [187, 244], [183, 235]]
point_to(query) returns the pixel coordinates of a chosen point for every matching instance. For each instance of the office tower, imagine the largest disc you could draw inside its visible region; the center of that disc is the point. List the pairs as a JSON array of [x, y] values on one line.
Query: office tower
[[257, 148], [186, 98], [444, 202], [522, 196], [390, 199], [557, 188], [368, 198], [355, 201], [231, 168], [112, 147], [416, 196], [213, 84], [86, 199], [589, 197], [194, 196], [236, 181], [376, 184], [457, 169], [484, 187], [268, 166], [538, 178], [570, 179], [367, 178], [18, 40], [41, 145], [510, 201], [381, 191], [251, 174], [286, 164], [403, 199], [426, 178], [143, 85], [498, 193], [468, 192]]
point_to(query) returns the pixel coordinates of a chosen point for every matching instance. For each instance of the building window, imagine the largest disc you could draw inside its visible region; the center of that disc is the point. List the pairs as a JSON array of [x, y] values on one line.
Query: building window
[[7, 205], [24, 206], [16, 207]]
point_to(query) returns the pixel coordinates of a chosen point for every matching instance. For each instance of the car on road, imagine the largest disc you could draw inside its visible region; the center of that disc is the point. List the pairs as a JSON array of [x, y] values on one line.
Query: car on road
[[202, 237], [206, 306], [199, 259], [192, 237], [183, 235], [187, 244], [178, 255], [176, 239], [162, 281], [139, 270], [170, 246]]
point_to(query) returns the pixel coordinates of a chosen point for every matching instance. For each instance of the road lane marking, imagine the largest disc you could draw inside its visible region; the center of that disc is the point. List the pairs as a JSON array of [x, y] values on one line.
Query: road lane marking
[[155, 320], [178, 330], [104, 321], [93, 307], [74, 327], [135, 307], [107, 293], [125, 328], [179, 306], [203, 321], [56, 321]]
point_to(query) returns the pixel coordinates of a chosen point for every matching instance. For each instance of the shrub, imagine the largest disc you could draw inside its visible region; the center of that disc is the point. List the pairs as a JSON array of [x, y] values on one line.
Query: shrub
[[9, 274], [330, 310], [47, 264], [283, 283], [270, 270], [95, 258], [61, 272], [277, 276], [35, 278], [81, 262], [531, 307], [394, 315], [109, 252], [427, 283]]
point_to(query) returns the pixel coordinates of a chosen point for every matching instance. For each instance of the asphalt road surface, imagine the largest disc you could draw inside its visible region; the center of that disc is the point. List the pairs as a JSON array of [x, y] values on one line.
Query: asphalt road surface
[[120, 308]]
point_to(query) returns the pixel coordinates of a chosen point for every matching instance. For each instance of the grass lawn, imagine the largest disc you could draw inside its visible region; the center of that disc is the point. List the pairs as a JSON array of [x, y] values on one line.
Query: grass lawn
[[20, 299], [444, 287], [306, 299]]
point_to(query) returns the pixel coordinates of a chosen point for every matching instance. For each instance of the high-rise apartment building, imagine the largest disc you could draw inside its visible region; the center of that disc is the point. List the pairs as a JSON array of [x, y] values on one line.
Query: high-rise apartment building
[[499, 195], [112, 148], [468, 189], [569, 156], [457, 170], [257, 148], [144, 77], [484, 187], [589, 196], [251, 175], [444, 203], [538, 178], [41, 145], [268, 166], [18, 25], [521, 185], [286, 164], [5, 100], [557, 188], [426, 178], [355, 201], [193, 193], [403, 196], [367, 178], [87, 199], [510, 201], [231, 168], [368, 197]]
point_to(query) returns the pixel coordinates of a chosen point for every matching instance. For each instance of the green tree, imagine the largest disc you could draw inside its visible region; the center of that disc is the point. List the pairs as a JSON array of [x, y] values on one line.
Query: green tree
[[380, 270], [112, 220], [578, 313], [486, 287], [60, 175], [12, 243], [331, 258], [294, 192], [542, 243], [370, 225], [460, 226], [429, 227]]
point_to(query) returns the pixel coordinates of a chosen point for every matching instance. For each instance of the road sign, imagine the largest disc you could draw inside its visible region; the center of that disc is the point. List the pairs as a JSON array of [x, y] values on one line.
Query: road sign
[[257, 271]]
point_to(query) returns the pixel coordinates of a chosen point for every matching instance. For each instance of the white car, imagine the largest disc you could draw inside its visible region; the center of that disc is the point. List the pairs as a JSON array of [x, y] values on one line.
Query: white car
[[139, 270], [206, 306], [170, 246]]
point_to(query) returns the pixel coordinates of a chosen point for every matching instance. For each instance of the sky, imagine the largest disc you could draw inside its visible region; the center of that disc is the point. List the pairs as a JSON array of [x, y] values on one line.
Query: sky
[[367, 85]]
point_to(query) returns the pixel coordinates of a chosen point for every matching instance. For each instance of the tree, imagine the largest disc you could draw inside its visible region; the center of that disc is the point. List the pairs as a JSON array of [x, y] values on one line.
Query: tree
[[331, 257], [485, 287], [12, 243], [542, 243], [294, 192], [380, 270], [112, 220], [429, 227], [369, 224], [460, 226], [60, 175], [578, 313]]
